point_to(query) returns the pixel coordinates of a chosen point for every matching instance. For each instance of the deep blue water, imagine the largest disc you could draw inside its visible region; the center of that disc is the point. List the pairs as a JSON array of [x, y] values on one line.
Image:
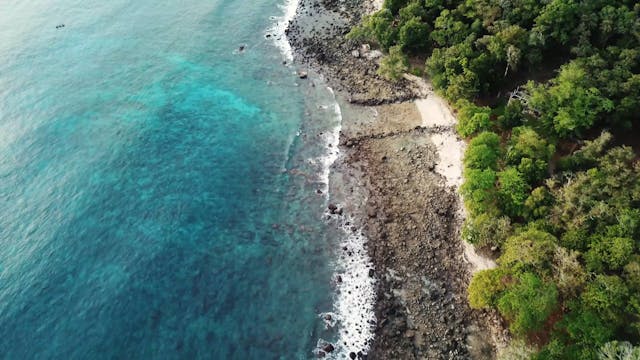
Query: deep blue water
[[146, 210]]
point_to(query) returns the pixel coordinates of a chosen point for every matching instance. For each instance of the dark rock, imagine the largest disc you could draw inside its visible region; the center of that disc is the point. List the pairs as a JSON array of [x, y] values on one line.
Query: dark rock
[[353, 355], [332, 208], [371, 272], [328, 348]]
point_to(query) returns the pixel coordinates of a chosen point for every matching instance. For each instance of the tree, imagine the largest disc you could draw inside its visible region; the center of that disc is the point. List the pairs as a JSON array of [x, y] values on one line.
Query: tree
[[513, 191], [528, 303], [413, 35], [394, 65], [619, 350], [610, 252], [532, 250], [479, 191], [472, 119], [485, 288], [568, 274], [569, 106], [529, 152], [486, 230], [607, 297], [483, 151]]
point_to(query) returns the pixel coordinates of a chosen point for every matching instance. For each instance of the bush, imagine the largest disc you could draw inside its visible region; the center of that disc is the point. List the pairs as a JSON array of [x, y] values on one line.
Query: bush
[[394, 65]]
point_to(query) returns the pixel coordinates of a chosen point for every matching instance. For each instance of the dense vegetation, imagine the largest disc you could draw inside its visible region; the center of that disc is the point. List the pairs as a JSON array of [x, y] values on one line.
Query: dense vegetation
[[550, 185]]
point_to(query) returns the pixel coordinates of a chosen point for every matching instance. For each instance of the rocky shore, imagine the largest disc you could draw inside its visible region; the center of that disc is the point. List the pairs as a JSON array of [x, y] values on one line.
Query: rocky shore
[[399, 176]]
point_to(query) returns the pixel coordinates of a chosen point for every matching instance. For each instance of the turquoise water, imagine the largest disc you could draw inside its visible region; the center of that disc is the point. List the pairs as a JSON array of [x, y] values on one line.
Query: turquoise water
[[147, 203]]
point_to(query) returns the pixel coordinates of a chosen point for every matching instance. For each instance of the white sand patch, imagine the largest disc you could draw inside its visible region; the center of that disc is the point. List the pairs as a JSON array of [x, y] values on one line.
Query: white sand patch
[[451, 152], [477, 262], [435, 111]]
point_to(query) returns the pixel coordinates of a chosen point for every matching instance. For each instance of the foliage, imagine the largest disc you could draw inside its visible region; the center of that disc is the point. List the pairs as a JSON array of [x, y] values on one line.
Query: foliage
[[479, 191], [483, 152], [619, 350], [528, 303], [394, 65], [531, 250], [472, 119], [513, 191], [485, 287], [560, 203], [487, 231]]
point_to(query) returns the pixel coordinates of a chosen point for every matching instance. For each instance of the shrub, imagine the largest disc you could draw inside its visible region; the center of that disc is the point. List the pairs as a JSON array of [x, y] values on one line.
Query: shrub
[[394, 65], [513, 191]]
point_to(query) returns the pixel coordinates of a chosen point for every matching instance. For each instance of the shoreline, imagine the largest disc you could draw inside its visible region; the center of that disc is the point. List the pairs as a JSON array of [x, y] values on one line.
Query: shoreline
[[399, 169]]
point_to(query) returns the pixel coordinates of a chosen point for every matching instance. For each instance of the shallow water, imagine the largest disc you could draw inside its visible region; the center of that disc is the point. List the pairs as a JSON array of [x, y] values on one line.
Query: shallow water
[[158, 187]]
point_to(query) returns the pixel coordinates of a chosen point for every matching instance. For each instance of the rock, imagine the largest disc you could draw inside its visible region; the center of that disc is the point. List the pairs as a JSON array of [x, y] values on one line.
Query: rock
[[328, 348], [339, 279], [320, 354], [355, 53], [371, 272], [372, 212], [302, 74], [332, 208], [353, 355], [339, 211]]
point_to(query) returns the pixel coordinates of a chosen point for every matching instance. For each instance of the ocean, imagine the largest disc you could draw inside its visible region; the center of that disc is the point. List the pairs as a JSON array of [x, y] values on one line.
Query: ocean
[[163, 186]]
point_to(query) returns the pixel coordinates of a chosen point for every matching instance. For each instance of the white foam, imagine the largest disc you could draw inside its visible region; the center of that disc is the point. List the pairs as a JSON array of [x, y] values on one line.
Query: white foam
[[331, 140], [278, 31], [355, 297]]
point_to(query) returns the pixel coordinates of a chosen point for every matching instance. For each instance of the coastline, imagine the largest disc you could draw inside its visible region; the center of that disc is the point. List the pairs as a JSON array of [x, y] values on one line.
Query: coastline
[[396, 180]]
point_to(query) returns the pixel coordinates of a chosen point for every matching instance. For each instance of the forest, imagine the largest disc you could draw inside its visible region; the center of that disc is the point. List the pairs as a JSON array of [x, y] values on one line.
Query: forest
[[547, 94]]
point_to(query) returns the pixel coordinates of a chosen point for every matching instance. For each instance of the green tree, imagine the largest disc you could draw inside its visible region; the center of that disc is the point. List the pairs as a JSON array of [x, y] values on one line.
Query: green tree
[[472, 119], [528, 303], [532, 250], [513, 191], [483, 151], [486, 286], [607, 297], [479, 191], [486, 230], [413, 35]]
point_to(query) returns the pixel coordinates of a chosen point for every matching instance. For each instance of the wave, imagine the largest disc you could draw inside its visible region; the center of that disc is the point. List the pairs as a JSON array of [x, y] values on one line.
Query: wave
[[355, 298], [353, 308], [278, 31]]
